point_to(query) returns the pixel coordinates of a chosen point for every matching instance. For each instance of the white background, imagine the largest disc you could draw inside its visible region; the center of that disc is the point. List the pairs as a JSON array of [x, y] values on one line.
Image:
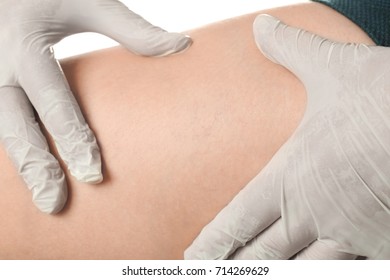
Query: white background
[[172, 15]]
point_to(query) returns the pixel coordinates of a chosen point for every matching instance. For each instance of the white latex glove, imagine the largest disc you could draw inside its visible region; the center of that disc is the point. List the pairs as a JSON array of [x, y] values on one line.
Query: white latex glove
[[328, 188], [30, 73]]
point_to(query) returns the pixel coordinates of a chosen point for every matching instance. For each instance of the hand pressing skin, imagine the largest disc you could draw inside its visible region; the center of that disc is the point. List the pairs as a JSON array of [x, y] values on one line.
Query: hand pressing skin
[[31, 77], [326, 192]]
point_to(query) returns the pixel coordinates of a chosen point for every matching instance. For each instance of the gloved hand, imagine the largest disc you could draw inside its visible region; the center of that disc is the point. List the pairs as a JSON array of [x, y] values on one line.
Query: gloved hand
[[30, 73], [328, 188]]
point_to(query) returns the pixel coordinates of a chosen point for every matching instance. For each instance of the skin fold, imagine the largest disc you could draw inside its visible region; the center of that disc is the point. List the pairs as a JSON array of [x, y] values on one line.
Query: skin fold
[[179, 136]]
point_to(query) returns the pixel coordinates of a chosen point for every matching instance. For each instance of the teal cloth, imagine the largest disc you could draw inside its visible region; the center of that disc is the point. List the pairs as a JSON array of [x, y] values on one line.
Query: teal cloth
[[372, 16]]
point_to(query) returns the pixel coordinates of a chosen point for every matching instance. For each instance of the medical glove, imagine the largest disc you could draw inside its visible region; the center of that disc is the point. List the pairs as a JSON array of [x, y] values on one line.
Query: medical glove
[[30, 77], [326, 193]]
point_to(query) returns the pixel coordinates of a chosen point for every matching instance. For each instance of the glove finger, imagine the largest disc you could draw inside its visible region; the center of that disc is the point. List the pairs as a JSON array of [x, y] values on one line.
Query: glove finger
[[250, 212], [313, 59], [27, 148], [280, 241], [115, 20], [320, 250], [298, 50], [49, 92]]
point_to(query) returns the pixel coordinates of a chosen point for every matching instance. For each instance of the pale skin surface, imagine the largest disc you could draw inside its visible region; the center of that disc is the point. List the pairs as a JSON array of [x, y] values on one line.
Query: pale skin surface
[[180, 136]]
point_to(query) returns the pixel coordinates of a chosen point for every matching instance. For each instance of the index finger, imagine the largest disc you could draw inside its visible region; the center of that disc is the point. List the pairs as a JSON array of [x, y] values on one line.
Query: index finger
[[113, 19]]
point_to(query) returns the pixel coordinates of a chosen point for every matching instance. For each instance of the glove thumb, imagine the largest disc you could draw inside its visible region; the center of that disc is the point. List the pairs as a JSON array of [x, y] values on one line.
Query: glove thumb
[[314, 60], [300, 51]]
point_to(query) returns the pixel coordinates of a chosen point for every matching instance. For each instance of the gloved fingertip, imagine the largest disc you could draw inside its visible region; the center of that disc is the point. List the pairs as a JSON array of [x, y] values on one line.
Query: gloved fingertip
[[265, 22], [50, 207], [180, 43], [84, 160], [91, 177], [89, 172], [264, 27], [183, 43], [51, 197]]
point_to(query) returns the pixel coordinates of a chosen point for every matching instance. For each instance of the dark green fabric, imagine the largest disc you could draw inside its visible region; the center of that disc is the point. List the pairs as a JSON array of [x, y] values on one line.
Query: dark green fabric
[[373, 16]]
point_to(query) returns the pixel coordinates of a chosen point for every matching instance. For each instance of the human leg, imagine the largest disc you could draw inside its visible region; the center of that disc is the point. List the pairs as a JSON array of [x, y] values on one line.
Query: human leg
[[180, 136]]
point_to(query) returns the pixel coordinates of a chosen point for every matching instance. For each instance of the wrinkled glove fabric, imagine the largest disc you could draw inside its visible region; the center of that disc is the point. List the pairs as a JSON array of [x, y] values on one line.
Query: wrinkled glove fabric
[[30, 77], [326, 192]]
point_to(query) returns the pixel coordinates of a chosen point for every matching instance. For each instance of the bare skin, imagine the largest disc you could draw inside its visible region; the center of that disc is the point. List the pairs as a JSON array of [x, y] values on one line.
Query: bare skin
[[180, 136]]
